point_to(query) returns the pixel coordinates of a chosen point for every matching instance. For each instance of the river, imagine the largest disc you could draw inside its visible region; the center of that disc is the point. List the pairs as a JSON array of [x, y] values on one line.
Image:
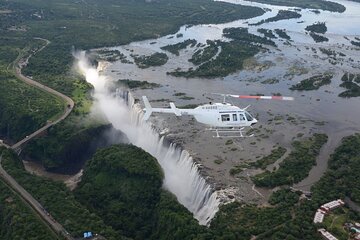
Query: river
[[318, 111]]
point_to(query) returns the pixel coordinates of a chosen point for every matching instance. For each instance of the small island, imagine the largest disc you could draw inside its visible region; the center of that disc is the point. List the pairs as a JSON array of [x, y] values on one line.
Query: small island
[[154, 60], [319, 27], [282, 15], [312, 83], [175, 48]]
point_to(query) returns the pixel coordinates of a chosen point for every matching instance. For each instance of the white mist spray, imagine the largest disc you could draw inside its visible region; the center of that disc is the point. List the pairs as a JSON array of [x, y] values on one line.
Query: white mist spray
[[182, 176]]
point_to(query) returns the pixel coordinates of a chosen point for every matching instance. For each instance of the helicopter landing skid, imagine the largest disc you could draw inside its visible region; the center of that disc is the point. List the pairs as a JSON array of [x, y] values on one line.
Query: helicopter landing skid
[[229, 133]]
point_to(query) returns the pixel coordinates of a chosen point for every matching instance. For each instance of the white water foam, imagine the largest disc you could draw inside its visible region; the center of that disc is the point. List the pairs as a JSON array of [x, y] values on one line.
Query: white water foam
[[182, 176]]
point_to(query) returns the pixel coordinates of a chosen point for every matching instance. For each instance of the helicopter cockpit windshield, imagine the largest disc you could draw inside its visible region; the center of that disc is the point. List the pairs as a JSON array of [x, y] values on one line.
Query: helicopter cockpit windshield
[[248, 116]]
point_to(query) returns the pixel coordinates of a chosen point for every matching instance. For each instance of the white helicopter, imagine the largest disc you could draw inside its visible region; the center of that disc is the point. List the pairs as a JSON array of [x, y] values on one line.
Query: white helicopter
[[223, 118]]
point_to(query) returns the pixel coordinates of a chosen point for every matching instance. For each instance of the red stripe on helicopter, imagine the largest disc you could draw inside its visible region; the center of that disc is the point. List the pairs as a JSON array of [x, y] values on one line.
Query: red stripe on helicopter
[[263, 97]]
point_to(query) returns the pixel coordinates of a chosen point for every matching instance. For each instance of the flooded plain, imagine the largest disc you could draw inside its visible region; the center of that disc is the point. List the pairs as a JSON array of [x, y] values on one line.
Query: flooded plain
[[270, 72]]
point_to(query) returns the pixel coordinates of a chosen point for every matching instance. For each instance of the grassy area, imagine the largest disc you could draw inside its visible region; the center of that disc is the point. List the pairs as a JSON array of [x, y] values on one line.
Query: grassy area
[[334, 223], [317, 4], [296, 166], [270, 159], [312, 83]]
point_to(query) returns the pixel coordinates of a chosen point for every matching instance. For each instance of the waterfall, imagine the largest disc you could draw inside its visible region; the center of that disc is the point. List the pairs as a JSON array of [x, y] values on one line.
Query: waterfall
[[182, 176]]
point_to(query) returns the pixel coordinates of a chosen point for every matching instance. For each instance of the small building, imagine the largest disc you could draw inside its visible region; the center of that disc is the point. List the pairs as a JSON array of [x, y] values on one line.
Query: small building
[[88, 235], [319, 216], [332, 205], [326, 235]]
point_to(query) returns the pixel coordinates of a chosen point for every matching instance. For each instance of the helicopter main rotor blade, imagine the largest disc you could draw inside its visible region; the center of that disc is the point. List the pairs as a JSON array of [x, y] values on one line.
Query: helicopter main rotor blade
[[263, 97]]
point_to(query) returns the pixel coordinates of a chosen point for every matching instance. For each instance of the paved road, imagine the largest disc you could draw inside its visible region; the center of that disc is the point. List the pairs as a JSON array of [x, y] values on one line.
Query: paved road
[[69, 102], [58, 228]]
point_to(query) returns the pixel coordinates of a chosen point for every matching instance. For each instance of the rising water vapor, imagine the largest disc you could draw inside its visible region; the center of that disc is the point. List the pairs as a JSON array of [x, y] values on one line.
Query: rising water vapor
[[182, 176]]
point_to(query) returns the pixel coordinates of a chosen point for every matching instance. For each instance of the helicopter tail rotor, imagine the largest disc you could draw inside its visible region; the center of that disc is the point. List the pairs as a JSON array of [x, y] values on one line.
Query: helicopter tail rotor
[[148, 108]]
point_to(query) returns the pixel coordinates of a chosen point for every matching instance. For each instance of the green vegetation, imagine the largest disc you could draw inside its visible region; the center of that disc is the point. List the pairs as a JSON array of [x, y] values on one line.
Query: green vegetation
[[317, 4], [231, 57], [312, 83], [122, 184], [154, 60], [205, 54], [127, 182], [270, 81], [175, 48], [329, 52], [270, 159], [23, 108], [282, 34], [243, 35], [57, 200], [318, 27], [296, 166], [17, 220], [290, 218], [138, 84], [182, 96], [334, 223], [66, 146], [318, 38], [267, 32], [241, 222], [282, 15], [109, 55], [343, 175], [352, 83], [355, 43]]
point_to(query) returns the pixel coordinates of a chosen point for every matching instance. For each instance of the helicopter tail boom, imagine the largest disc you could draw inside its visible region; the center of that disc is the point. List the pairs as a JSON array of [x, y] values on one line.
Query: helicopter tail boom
[[149, 110]]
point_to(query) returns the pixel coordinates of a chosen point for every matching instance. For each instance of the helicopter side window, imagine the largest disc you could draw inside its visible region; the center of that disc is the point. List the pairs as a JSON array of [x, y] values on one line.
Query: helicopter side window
[[235, 117], [242, 117], [225, 117], [248, 116]]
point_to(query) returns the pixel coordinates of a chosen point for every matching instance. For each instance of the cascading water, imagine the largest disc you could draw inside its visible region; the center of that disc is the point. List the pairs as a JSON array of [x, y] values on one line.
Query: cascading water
[[182, 176]]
